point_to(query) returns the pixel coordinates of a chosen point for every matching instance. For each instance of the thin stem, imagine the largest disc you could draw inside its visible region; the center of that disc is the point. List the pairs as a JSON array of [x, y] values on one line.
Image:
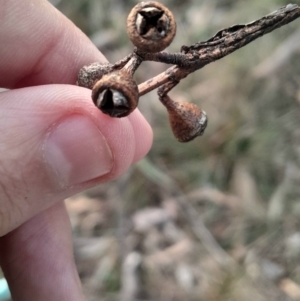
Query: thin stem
[[121, 63], [133, 64], [156, 81], [164, 57]]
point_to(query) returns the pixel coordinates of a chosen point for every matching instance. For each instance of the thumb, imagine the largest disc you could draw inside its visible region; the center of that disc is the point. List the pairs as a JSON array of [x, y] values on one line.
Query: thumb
[[54, 142]]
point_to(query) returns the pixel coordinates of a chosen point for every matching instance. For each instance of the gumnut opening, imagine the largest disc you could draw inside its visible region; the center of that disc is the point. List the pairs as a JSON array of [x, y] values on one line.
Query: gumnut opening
[[151, 26], [116, 94], [187, 120]]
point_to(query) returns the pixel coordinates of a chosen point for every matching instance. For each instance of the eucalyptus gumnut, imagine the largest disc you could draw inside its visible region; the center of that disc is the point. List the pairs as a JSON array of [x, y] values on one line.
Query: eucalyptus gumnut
[[116, 94], [187, 120], [151, 26], [89, 75]]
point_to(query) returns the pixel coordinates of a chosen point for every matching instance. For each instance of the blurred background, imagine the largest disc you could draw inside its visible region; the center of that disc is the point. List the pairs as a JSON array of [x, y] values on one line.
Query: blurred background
[[216, 219]]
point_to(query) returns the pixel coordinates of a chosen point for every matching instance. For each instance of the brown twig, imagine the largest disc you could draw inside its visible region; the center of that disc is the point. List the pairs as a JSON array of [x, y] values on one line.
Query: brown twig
[[115, 92], [195, 57], [226, 41]]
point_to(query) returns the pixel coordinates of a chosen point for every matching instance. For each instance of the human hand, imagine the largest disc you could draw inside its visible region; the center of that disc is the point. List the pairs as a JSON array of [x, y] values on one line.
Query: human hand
[[54, 143]]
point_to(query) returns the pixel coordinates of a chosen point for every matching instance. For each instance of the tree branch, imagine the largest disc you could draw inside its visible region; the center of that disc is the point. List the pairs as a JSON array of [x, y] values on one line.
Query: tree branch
[[115, 92], [226, 41]]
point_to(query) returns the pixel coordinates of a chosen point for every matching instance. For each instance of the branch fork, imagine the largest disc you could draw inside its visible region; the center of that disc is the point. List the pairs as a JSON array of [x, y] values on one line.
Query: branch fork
[[151, 27]]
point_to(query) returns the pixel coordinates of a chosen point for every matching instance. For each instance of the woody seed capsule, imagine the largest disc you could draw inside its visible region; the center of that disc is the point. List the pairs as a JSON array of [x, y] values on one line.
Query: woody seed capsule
[[151, 26], [187, 120], [116, 94], [89, 75]]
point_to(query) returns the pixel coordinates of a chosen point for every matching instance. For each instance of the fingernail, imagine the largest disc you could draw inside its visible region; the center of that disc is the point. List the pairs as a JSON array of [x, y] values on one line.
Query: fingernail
[[77, 152]]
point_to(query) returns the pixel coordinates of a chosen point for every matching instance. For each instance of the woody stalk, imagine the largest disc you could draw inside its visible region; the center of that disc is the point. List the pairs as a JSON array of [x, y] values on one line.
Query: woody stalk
[[151, 27]]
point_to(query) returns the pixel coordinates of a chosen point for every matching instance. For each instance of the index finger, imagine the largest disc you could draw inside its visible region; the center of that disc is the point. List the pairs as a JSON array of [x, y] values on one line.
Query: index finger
[[39, 45]]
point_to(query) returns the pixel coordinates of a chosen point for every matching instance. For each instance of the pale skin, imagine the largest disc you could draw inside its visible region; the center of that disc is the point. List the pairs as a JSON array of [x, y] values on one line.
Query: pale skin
[[54, 143]]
